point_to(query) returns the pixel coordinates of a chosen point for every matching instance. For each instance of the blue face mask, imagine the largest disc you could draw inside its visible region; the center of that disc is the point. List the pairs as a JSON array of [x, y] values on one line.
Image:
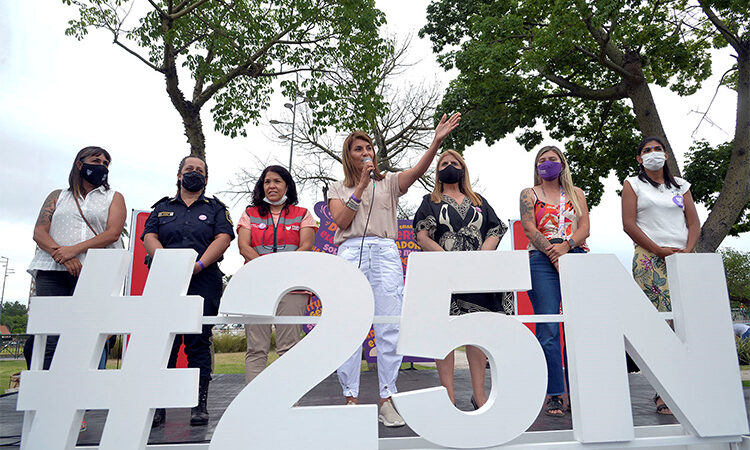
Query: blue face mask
[[193, 181]]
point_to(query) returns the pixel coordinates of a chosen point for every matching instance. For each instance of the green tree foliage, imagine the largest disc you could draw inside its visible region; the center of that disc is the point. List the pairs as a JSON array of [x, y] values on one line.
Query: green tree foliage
[[706, 169], [233, 50], [729, 22], [737, 269], [14, 316], [581, 68]]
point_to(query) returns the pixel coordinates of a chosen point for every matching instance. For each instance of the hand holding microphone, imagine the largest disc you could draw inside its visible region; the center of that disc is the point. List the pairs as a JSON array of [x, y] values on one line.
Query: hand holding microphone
[[371, 166]]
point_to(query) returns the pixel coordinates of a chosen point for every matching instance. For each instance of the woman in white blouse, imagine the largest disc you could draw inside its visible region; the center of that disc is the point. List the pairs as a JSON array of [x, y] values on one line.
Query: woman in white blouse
[[88, 214], [658, 213]]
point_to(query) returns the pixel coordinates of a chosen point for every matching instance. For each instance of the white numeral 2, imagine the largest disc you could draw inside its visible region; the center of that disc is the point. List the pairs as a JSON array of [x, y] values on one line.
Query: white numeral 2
[[262, 416]]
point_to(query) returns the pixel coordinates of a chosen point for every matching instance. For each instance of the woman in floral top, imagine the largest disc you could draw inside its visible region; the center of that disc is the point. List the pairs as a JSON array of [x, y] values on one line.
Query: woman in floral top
[[455, 218], [659, 214], [555, 219]]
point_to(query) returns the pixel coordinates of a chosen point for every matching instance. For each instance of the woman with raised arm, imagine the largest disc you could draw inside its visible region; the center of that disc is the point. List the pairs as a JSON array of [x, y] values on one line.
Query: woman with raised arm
[[274, 223], [659, 215], [364, 207], [454, 218], [192, 220], [555, 219]]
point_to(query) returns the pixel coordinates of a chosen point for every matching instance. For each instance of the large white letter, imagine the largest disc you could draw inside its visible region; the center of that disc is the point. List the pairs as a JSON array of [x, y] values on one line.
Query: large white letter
[[694, 368]]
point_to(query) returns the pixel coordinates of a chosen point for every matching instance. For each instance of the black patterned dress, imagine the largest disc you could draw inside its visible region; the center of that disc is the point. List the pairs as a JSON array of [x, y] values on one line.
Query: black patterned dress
[[461, 227]]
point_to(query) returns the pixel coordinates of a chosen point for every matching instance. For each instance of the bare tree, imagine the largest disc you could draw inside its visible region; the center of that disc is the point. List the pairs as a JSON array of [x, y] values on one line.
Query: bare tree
[[401, 134]]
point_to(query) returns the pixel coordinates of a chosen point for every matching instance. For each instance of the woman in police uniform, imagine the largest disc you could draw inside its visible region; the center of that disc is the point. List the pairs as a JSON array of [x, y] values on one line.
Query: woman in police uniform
[[191, 220]]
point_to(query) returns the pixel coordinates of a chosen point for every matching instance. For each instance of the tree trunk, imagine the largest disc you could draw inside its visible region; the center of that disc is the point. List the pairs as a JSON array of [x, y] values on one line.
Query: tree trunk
[[735, 192], [194, 131], [644, 107], [190, 114]]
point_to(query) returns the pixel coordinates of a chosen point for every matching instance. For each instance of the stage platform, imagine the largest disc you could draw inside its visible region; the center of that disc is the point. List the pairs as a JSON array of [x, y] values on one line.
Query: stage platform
[[226, 386]]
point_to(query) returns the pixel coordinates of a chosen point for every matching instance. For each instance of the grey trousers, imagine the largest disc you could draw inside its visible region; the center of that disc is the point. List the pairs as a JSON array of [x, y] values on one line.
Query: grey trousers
[[259, 336]]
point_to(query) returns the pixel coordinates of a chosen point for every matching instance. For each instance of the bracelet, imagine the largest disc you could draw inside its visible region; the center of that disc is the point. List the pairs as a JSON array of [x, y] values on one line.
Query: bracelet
[[351, 204], [356, 199], [200, 263]]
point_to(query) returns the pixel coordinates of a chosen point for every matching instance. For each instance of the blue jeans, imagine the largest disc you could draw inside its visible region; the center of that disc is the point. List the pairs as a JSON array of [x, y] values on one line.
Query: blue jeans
[[545, 298]]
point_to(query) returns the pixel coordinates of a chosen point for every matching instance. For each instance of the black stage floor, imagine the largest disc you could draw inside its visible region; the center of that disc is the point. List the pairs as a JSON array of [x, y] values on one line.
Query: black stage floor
[[225, 387]]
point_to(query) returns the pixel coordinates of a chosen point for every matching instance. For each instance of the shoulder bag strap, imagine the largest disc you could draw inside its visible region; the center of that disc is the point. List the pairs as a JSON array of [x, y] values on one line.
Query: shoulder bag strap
[[82, 216]]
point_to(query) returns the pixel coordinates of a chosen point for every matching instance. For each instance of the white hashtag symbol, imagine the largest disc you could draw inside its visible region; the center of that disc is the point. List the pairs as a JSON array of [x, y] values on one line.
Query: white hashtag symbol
[[56, 399]]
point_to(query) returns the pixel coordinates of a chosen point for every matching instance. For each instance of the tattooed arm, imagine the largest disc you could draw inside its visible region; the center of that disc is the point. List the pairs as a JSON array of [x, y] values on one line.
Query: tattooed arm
[[528, 221], [41, 229]]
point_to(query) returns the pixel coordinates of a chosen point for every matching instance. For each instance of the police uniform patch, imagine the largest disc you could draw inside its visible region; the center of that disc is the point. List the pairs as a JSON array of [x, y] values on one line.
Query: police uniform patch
[[229, 219], [166, 214]]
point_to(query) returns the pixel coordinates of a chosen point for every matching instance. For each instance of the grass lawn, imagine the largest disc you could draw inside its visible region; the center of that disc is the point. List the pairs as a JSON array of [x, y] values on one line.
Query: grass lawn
[[8, 368], [235, 363]]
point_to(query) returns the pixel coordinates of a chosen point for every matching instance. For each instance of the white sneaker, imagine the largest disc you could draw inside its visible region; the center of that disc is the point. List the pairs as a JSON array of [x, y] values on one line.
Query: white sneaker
[[389, 416]]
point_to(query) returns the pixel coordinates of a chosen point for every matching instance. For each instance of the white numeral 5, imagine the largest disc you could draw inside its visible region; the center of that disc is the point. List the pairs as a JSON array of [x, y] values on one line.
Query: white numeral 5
[[518, 368], [262, 416]]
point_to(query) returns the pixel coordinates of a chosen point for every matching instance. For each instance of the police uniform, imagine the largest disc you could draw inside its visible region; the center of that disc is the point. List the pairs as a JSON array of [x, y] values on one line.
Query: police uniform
[[180, 226]]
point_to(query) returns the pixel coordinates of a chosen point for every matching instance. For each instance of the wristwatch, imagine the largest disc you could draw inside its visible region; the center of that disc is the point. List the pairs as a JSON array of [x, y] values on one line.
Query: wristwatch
[[572, 243]]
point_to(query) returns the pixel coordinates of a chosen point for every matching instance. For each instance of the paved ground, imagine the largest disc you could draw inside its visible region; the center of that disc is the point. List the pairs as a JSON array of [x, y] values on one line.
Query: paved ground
[[225, 387]]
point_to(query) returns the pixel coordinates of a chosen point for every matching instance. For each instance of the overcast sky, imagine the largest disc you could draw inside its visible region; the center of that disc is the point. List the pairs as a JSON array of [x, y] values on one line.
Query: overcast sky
[[58, 95]]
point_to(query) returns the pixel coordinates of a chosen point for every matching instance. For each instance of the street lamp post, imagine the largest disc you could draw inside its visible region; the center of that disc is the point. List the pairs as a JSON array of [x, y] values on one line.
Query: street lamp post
[[3, 260]]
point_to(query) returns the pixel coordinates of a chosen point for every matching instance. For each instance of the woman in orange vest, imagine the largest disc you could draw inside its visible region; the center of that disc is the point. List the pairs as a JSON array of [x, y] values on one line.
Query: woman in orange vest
[[274, 223]]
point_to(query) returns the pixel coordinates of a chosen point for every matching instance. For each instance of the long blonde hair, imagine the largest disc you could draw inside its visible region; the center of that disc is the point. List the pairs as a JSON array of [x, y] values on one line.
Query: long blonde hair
[[351, 175], [465, 186], [566, 181]]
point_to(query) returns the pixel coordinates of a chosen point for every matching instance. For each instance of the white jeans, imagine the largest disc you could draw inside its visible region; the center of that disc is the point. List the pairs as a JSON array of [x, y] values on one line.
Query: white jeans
[[381, 264]]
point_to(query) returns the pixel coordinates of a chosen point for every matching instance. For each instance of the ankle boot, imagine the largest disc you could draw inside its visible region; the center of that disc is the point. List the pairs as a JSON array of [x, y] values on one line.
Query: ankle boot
[[199, 414], [160, 416]]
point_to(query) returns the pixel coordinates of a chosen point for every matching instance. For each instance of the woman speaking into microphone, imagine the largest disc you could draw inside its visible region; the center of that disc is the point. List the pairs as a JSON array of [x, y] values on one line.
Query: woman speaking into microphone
[[364, 207]]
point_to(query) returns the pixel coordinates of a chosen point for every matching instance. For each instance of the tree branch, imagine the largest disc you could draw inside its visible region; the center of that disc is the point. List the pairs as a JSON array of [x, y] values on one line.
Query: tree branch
[[616, 92], [143, 60], [187, 10], [244, 68], [733, 40], [159, 10]]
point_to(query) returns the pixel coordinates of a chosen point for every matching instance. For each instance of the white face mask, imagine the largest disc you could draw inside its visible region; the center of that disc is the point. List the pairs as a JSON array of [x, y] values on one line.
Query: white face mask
[[654, 160], [281, 201]]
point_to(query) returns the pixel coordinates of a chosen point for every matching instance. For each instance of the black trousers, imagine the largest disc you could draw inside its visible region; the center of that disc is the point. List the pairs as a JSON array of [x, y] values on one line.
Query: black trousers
[[207, 284], [50, 283]]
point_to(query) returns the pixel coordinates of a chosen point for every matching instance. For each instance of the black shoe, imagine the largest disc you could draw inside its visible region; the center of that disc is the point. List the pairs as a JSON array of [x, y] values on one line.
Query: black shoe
[[199, 414], [160, 416]]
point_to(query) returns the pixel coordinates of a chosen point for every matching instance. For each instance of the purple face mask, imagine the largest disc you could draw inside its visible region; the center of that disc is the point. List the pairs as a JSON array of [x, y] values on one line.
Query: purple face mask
[[549, 170]]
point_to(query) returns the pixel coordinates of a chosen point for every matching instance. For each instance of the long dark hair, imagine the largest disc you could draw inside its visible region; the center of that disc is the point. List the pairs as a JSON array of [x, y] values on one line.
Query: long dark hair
[[669, 180], [182, 164], [258, 193], [75, 182]]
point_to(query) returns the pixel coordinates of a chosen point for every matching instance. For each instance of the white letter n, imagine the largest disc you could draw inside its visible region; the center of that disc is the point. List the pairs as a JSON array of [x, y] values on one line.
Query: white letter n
[[694, 368]]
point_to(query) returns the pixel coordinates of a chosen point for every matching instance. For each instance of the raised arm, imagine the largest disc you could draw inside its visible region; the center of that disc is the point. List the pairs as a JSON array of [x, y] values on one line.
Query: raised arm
[[443, 129]]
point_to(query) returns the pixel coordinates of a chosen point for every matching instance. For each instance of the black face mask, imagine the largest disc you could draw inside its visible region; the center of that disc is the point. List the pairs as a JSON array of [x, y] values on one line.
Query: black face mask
[[193, 181], [95, 174], [450, 175]]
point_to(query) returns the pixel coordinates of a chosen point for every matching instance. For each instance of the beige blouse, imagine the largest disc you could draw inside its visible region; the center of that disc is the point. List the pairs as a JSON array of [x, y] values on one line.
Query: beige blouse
[[383, 219]]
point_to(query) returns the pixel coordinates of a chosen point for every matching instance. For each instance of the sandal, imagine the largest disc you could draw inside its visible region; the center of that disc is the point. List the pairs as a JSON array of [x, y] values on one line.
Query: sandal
[[663, 408], [554, 403]]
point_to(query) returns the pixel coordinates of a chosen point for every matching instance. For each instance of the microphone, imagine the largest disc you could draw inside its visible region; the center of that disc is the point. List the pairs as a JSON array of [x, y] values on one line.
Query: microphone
[[372, 172]]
